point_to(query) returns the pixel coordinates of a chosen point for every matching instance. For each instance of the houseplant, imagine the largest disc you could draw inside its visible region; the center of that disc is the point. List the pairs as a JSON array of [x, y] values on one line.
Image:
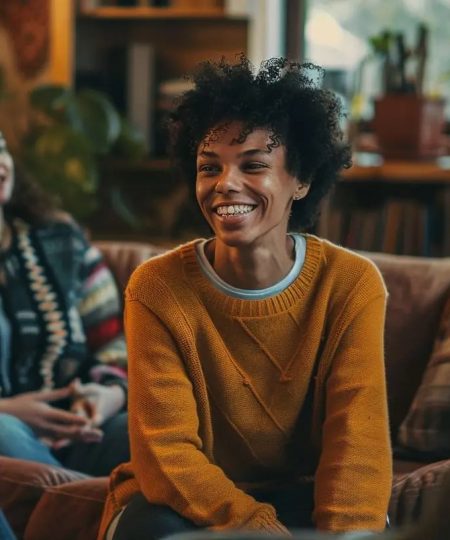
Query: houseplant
[[408, 124], [69, 135]]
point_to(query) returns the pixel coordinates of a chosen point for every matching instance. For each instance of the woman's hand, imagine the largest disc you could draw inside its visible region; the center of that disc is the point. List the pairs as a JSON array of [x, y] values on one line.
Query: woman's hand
[[53, 424], [95, 402]]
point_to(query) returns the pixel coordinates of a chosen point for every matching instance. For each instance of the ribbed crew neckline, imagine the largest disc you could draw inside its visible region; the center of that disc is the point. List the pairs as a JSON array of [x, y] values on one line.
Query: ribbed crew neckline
[[253, 308], [254, 294]]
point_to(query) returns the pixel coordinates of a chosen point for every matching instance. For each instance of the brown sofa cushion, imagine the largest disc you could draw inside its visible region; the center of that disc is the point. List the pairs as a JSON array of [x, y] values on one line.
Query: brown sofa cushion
[[426, 427], [23, 484], [123, 257], [415, 492], [69, 511], [418, 289]]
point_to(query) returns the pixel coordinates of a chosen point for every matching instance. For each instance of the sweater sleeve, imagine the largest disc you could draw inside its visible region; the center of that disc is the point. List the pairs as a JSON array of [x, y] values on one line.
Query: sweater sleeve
[[166, 449], [354, 476], [101, 313]]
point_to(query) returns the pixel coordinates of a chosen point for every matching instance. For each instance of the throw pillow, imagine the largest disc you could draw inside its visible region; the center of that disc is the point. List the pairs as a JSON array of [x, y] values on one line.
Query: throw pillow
[[426, 427]]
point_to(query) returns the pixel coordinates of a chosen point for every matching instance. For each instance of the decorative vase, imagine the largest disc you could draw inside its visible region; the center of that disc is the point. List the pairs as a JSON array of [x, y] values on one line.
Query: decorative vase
[[409, 126]]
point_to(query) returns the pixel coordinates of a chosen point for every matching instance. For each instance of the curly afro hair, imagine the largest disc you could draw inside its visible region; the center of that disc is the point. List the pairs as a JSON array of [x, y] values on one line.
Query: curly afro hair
[[283, 97]]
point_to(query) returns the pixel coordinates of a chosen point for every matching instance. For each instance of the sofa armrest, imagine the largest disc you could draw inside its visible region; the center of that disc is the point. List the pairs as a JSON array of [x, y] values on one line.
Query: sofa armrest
[[414, 493], [22, 484], [78, 505], [123, 258]]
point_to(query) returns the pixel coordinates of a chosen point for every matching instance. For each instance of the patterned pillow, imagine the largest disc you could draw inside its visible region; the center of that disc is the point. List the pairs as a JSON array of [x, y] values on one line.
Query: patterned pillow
[[426, 427]]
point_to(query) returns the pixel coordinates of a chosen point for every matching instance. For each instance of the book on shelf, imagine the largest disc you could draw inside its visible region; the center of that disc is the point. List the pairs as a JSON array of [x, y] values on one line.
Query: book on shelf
[[368, 236], [392, 219], [408, 227], [140, 66], [352, 235], [331, 224], [398, 225], [446, 223], [322, 228]]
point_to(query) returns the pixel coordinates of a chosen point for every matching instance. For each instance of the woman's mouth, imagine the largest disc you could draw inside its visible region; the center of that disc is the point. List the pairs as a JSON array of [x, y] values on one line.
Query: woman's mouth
[[226, 211]]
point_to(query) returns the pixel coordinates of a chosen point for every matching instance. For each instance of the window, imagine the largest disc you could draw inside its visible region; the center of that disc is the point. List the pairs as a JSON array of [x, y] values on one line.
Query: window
[[337, 34]]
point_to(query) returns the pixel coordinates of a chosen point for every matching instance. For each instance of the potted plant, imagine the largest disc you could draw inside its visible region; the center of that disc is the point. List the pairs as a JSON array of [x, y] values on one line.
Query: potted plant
[[407, 123], [69, 134]]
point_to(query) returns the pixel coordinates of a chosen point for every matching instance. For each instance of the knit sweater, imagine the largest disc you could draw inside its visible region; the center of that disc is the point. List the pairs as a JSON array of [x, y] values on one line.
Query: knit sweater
[[59, 311], [218, 385]]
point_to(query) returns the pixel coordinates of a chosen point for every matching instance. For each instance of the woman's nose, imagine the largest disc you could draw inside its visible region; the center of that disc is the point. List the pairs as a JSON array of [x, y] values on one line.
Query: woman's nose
[[228, 180]]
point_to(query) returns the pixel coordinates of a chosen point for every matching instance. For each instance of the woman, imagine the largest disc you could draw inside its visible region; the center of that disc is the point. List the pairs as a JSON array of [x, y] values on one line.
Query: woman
[[62, 351], [255, 357]]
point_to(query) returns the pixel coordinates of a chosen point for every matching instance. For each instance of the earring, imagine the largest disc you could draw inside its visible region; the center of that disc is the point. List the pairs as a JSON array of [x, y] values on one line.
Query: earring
[[300, 192]]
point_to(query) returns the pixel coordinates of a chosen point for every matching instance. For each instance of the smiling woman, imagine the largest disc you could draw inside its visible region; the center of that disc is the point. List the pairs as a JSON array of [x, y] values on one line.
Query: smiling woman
[[245, 194], [257, 389], [62, 351]]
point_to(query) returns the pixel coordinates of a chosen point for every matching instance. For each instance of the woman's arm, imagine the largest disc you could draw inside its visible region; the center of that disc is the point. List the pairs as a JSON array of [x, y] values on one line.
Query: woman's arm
[[354, 476], [101, 313], [166, 449], [105, 388]]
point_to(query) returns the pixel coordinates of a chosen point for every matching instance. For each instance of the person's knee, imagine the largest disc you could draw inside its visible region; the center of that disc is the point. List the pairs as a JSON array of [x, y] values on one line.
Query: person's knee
[[142, 520], [11, 425], [18, 440], [13, 433]]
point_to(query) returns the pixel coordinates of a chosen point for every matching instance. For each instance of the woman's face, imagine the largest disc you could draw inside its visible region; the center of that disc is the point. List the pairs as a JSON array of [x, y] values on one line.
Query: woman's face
[[244, 190], [6, 173]]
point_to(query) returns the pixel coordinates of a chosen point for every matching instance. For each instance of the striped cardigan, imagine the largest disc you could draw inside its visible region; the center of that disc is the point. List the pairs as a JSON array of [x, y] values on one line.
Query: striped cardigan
[[60, 312]]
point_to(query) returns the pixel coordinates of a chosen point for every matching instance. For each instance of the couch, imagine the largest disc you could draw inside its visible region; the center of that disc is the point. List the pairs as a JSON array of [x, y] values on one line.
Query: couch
[[44, 502]]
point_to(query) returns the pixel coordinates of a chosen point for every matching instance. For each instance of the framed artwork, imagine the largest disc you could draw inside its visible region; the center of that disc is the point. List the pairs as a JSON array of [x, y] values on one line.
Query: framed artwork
[[28, 25]]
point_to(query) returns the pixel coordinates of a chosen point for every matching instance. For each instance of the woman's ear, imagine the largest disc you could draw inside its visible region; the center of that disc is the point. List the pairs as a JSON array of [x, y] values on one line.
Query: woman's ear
[[301, 191]]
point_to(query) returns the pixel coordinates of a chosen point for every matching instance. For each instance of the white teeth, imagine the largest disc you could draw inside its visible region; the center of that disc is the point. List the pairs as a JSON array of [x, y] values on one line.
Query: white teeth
[[234, 209]]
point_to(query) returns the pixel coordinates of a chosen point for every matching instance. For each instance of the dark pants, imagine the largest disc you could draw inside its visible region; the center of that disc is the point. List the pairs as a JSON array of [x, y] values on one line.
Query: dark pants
[[99, 459], [142, 520]]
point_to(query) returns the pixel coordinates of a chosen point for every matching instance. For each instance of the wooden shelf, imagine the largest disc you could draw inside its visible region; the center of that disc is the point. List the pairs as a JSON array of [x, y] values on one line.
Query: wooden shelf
[[152, 13], [391, 206], [389, 171], [148, 164], [408, 172]]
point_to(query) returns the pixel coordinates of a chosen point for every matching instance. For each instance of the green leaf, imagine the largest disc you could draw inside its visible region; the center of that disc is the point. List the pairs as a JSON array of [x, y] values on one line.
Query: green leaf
[[130, 143], [100, 122], [61, 161], [122, 209], [52, 100]]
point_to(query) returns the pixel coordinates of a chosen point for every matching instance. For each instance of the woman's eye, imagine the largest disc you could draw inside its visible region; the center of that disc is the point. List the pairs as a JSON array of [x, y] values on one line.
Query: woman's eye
[[208, 169], [254, 165]]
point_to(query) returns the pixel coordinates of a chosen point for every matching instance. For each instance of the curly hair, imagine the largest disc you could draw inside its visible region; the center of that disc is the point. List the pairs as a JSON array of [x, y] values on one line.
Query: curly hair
[[285, 98]]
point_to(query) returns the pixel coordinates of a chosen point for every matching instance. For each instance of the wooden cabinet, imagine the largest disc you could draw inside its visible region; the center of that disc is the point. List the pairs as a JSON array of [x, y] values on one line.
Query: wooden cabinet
[[393, 207]]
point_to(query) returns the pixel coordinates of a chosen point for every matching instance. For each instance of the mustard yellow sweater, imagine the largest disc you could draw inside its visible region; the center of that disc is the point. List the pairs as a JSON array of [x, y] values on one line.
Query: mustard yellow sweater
[[216, 386]]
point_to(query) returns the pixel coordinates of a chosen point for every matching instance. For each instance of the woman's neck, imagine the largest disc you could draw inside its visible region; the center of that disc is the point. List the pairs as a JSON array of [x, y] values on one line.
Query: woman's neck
[[253, 267]]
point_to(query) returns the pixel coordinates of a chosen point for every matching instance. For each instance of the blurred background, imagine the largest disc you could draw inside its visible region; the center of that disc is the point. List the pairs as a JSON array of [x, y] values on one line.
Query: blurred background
[[85, 87]]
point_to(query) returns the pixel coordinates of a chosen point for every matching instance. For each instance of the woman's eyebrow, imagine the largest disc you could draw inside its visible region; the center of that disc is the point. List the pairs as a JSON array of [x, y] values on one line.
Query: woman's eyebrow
[[208, 154], [245, 153], [253, 151]]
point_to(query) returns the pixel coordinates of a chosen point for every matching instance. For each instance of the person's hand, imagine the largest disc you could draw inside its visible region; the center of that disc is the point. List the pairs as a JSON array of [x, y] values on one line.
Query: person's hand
[[96, 402], [56, 426]]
